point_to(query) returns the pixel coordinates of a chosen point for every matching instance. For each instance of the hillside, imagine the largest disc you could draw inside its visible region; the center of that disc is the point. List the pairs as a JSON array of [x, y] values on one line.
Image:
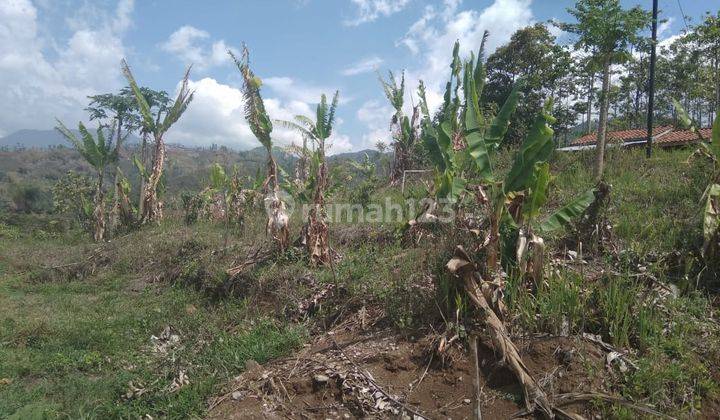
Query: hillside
[[188, 168], [150, 323], [29, 139]]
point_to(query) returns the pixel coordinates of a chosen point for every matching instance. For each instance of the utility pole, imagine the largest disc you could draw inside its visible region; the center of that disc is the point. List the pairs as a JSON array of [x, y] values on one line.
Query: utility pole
[[651, 90]]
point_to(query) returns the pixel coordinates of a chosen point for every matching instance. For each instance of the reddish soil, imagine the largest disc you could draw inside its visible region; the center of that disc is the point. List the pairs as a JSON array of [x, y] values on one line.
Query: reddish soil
[[358, 370]]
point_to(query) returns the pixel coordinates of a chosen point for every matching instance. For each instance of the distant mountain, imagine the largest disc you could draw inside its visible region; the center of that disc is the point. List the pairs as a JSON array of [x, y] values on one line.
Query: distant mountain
[[38, 139], [356, 156]]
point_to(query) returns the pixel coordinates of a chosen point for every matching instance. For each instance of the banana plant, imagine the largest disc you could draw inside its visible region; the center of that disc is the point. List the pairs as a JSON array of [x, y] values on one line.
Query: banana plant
[[99, 153], [157, 125], [315, 232], [711, 196], [261, 126], [404, 130], [462, 145]]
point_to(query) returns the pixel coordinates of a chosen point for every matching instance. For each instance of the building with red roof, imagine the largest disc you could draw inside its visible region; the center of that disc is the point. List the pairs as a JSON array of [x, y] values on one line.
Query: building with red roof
[[663, 136]]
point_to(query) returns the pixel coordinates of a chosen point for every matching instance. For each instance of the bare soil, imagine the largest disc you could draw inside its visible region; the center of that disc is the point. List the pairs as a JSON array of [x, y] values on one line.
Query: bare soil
[[355, 374]]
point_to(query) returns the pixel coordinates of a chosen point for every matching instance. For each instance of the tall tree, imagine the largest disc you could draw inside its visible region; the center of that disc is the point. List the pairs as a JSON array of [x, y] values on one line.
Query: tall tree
[[532, 56], [157, 125], [99, 153], [706, 37], [606, 30], [118, 111]]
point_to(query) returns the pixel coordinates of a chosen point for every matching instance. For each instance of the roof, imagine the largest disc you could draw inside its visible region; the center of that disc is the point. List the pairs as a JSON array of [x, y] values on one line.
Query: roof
[[662, 136]]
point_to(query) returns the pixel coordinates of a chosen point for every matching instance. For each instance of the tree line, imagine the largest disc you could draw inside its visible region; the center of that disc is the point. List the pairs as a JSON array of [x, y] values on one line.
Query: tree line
[[598, 81]]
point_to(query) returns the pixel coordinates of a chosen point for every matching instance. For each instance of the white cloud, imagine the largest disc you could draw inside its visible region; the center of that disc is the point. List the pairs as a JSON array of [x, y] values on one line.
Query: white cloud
[[193, 46], [431, 39], [216, 115], [665, 26], [44, 78], [436, 31], [366, 65], [376, 117], [290, 89], [370, 10]]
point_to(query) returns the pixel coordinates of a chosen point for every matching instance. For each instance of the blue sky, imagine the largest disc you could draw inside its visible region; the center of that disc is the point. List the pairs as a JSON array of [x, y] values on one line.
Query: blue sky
[[53, 53]]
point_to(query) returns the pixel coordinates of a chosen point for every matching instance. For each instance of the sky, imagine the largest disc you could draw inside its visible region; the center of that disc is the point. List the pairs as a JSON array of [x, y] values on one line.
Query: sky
[[54, 53]]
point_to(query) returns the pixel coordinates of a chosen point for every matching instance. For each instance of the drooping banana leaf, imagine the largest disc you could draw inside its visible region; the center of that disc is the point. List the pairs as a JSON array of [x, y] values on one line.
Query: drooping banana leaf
[[538, 191], [141, 168], [537, 147], [563, 217], [711, 217], [430, 140], [449, 186], [89, 148]]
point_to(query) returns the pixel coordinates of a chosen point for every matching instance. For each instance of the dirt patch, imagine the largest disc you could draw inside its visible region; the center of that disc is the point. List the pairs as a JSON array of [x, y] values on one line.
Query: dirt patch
[[382, 375]]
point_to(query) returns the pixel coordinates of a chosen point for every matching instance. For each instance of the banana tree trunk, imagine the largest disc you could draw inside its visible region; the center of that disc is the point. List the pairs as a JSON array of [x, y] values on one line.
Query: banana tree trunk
[[278, 219], [151, 205], [317, 233], [602, 123], [99, 211], [143, 160], [114, 219]]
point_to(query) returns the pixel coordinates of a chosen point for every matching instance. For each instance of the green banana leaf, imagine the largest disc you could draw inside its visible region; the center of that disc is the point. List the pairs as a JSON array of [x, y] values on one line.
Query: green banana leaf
[[537, 147], [499, 125], [563, 217], [538, 191], [475, 126], [218, 179], [147, 118], [141, 168]]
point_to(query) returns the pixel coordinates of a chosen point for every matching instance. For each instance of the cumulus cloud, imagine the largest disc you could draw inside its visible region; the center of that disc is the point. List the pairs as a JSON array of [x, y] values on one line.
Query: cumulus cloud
[[433, 35], [370, 10], [193, 46], [216, 115], [376, 117], [363, 66], [431, 40], [44, 78]]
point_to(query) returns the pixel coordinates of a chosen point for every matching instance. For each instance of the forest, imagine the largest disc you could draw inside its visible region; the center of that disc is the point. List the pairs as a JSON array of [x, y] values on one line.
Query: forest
[[467, 267]]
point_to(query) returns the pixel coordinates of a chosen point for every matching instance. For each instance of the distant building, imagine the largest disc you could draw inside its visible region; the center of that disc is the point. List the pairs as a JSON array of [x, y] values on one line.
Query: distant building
[[663, 136]]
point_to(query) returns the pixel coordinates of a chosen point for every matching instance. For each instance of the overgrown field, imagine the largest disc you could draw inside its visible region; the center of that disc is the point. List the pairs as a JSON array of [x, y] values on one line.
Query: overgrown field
[[150, 323]]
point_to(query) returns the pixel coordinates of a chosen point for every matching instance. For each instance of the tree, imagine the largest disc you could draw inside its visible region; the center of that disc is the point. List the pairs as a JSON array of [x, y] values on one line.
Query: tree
[[316, 230], [261, 126], [99, 153], [121, 110], [403, 129], [706, 37], [157, 125], [606, 30], [533, 56]]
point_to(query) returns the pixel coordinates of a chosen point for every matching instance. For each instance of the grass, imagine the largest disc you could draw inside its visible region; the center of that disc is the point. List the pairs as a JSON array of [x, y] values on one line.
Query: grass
[[74, 344], [655, 203], [71, 349]]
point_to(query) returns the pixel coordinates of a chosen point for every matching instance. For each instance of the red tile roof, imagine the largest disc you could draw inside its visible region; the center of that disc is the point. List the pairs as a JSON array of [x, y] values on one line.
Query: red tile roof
[[662, 136]]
